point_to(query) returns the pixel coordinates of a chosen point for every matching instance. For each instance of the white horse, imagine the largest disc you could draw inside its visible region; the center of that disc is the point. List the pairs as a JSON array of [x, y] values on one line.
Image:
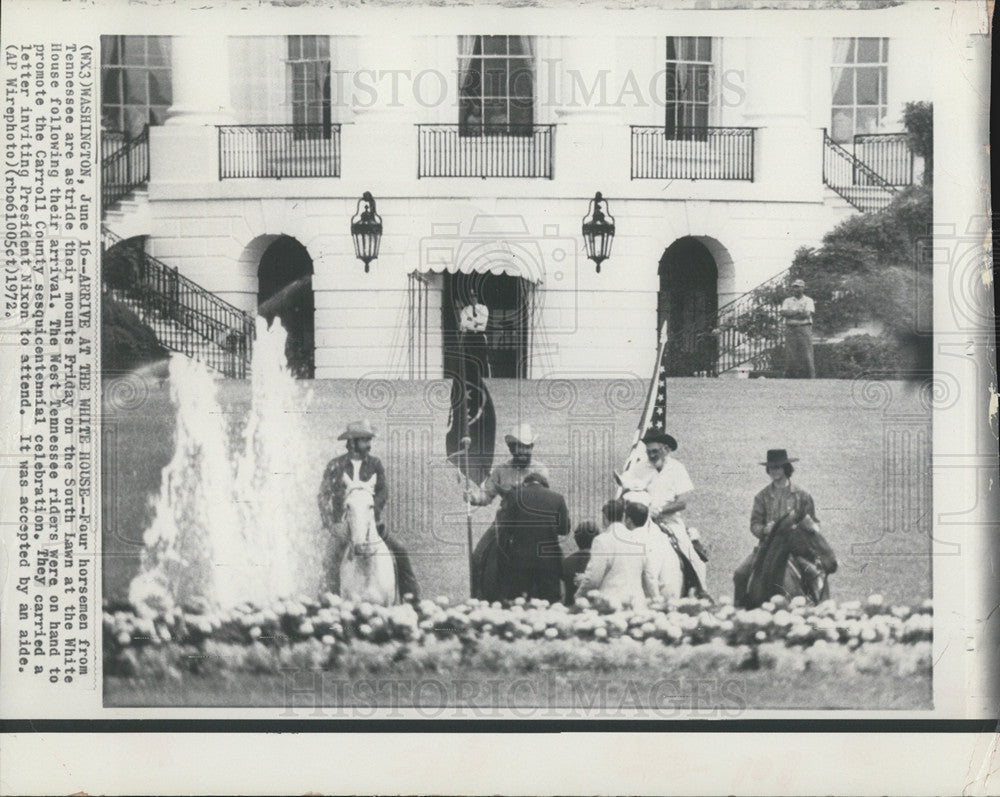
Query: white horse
[[367, 572], [666, 563]]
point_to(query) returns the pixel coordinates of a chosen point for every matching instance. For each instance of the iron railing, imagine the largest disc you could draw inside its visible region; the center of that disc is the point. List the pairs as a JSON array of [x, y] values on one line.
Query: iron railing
[[853, 180], [692, 153], [276, 151], [124, 164], [749, 329], [485, 151], [746, 330], [187, 318], [887, 154]]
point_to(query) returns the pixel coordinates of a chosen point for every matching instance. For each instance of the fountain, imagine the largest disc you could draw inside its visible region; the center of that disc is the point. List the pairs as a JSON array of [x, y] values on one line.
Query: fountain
[[235, 519]]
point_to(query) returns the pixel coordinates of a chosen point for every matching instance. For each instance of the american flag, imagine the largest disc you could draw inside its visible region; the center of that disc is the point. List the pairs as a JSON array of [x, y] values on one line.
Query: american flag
[[654, 414]]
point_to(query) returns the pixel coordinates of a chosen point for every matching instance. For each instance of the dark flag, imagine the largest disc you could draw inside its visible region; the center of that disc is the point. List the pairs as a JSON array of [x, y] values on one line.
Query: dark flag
[[471, 404], [471, 437]]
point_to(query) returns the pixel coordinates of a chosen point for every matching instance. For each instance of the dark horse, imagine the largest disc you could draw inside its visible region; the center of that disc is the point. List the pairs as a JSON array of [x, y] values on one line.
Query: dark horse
[[794, 560]]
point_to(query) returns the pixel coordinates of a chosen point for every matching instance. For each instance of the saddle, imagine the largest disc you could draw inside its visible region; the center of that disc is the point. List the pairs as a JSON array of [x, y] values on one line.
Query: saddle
[[691, 581]]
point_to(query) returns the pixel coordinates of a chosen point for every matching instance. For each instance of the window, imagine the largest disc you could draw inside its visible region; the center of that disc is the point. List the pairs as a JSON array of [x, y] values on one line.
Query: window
[[860, 73], [309, 74], [689, 76], [135, 82], [496, 85]]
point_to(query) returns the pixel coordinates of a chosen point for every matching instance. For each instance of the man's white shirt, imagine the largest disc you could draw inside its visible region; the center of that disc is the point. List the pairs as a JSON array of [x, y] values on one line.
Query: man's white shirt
[[802, 304], [664, 485], [474, 318]]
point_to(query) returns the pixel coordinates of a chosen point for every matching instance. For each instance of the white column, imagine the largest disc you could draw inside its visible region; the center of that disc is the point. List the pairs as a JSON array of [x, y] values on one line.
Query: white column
[[789, 152], [200, 81], [381, 144], [186, 148], [591, 143]]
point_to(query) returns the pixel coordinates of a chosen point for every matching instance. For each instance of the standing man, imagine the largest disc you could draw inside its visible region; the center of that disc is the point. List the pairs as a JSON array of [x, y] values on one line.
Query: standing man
[[669, 486], [778, 499], [798, 311], [501, 482], [576, 563], [622, 563], [472, 322], [530, 522], [358, 464]]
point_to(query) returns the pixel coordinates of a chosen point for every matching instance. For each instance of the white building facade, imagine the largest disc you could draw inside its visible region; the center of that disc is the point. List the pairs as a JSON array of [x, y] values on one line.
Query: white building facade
[[482, 152]]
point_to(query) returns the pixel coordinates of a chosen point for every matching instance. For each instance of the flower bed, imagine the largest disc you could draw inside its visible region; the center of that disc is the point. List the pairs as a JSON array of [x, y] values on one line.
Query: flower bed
[[436, 635]]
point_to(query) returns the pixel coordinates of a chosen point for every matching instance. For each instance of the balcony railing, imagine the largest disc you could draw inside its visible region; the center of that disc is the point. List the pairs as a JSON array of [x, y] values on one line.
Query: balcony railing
[[692, 153], [124, 164], [275, 151], [887, 154], [485, 151], [853, 180]]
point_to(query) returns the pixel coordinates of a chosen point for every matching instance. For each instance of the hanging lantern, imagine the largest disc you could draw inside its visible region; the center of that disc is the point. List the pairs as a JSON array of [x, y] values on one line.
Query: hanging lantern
[[598, 231], [366, 230]]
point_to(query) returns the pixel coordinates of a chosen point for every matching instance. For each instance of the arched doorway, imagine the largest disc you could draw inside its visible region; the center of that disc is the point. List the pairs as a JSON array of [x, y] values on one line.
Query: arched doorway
[[507, 332], [284, 291], [688, 302]]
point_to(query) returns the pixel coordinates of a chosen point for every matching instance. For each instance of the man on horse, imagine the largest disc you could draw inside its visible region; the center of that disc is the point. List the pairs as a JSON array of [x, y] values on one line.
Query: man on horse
[[779, 499], [501, 482], [512, 473], [668, 484], [358, 464]]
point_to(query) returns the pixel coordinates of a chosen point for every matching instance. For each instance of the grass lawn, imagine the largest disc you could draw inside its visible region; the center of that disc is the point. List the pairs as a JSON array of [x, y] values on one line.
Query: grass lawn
[[544, 694], [864, 455]]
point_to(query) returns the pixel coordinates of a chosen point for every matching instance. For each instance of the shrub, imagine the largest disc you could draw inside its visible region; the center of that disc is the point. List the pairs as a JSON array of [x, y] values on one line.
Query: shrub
[[126, 342], [858, 355]]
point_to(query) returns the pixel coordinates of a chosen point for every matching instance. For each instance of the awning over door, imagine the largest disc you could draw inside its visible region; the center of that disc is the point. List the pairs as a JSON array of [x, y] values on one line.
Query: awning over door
[[522, 259]]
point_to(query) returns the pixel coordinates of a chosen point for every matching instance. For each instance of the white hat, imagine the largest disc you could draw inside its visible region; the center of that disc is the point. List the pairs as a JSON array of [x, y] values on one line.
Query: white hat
[[521, 434], [640, 497]]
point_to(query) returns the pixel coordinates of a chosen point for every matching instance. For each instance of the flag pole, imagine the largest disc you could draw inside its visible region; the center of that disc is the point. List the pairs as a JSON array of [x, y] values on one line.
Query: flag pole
[[651, 392], [466, 442]]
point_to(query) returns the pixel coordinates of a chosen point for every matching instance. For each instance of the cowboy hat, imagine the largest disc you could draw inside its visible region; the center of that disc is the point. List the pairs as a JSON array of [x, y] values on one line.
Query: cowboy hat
[[655, 436], [521, 434], [356, 429], [778, 456], [798, 283]]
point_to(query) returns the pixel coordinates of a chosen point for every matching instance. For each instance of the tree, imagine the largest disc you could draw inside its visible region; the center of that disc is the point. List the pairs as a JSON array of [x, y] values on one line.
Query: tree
[[870, 268], [918, 119]]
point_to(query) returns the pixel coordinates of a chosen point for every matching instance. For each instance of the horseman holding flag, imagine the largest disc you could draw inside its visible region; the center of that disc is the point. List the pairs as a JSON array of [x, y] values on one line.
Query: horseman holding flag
[[651, 468], [668, 484], [502, 481]]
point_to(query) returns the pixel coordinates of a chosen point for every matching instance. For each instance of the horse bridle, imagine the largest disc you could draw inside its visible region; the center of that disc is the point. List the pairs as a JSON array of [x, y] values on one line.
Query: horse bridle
[[368, 547]]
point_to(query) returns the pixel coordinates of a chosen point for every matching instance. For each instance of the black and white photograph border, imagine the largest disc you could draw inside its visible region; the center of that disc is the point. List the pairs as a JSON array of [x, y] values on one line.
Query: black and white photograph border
[[345, 314], [676, 306]]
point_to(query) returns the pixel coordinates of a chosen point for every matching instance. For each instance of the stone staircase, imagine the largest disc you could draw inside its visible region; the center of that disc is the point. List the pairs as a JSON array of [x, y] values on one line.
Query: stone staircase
[[854, 180], [129, 217], [185, 317]]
